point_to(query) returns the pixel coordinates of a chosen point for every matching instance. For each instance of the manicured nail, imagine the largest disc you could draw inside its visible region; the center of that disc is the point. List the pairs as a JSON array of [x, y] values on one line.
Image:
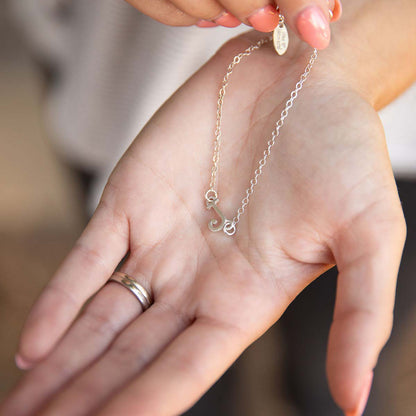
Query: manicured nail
[[313, 27], [265, 19], [226, 19], [337, 11], [330, 9], [205, 23], [22, 363], [365, 393]]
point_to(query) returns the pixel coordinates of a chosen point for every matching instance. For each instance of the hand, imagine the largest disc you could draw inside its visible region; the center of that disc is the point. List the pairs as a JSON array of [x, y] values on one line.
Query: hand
[[308, 18], [327, 196]]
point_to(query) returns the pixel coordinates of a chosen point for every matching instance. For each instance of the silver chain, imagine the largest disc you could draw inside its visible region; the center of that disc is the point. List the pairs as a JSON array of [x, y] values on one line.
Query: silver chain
[[211, 196]]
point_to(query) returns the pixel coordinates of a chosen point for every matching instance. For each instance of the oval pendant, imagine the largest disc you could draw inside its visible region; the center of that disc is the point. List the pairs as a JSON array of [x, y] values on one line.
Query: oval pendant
[[280, 39]]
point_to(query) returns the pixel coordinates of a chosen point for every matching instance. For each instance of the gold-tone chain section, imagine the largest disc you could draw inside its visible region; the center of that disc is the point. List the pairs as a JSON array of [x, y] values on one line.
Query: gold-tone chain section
[[211, 196]]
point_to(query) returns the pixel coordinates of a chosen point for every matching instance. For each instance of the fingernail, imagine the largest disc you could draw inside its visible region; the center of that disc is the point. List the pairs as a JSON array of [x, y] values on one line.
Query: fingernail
[[265, 19], [205, 23], [330, 9], [22, 363], [365, 393], [226, 19], [313, 27], [337, 10]]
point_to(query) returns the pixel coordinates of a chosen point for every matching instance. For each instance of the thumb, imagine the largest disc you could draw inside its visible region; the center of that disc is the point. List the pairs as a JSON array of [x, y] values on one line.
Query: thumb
[[368, 253], [310, 19]]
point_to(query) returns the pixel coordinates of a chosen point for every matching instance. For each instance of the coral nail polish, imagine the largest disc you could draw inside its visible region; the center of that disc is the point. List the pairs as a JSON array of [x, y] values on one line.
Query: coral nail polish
[[331, 5], [205, 23], [313, 26], [337, 10], [226, 19], [265, 19], [365, 393]]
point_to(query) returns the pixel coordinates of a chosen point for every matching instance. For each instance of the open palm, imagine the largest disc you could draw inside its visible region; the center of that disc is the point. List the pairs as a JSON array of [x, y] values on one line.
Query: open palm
[[327, 196]]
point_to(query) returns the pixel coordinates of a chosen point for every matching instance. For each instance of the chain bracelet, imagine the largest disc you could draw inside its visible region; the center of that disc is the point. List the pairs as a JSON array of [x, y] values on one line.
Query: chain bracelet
[[211, 196]]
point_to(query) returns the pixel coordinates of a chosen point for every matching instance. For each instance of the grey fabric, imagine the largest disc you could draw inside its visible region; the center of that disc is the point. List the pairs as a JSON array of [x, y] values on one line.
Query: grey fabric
[[117, 66]]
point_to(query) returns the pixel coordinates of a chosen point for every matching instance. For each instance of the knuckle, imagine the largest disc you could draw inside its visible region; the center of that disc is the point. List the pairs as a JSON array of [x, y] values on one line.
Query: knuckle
[[395, 225], [127, 350], [386, 329], [54, 366], [387, 220], [401, 225], [123, 347], [112, 214], [203, 11], [86, 390], [182, 317], [58, 294], [378, 323], [85, 254], [177, 18], [98, 322]]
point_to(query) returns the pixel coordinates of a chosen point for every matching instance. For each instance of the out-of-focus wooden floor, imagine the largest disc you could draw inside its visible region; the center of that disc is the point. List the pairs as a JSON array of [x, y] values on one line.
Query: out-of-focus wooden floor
[[40, 208]]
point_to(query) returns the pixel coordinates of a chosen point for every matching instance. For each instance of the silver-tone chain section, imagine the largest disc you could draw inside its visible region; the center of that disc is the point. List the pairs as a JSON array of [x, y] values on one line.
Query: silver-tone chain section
[[211, 196]]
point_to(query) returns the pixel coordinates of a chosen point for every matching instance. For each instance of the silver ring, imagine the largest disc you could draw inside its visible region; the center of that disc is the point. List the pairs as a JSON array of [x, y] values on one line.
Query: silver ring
[[135, 287]]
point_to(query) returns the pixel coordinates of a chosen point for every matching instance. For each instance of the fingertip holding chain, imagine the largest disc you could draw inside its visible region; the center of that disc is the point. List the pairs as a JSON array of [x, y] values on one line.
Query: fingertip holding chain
[[229, 227]]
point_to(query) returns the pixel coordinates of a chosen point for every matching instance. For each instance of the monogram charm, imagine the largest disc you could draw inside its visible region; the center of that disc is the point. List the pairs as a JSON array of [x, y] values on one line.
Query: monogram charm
[[222, 224]]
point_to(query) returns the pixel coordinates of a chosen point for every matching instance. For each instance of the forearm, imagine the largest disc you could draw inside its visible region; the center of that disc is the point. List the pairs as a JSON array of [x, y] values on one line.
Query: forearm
[[375, 46]]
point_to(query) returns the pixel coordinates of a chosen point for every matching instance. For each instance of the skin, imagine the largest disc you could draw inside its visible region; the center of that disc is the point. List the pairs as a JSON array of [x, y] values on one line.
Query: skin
[[189, 12], [327, 196]]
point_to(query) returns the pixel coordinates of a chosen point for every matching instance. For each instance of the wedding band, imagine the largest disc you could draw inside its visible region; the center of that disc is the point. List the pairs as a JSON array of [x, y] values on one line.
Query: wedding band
[[135, 287]]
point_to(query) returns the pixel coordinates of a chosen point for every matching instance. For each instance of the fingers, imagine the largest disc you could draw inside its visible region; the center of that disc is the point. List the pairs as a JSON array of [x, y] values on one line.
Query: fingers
[[139, 344], [184, 371], [163, 11], [260, 14], [207, 9], [335, 7], [368, 267], [104, 317], [209, 13], [87, 267], [308, 18]]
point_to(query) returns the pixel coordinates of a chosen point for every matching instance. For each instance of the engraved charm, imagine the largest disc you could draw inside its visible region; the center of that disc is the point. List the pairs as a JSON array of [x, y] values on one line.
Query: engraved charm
[[281, 38], [223, 224]]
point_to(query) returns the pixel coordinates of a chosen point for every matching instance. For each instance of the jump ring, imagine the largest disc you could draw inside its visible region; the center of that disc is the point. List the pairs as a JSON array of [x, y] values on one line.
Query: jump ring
[[229, 228], [211, 195]]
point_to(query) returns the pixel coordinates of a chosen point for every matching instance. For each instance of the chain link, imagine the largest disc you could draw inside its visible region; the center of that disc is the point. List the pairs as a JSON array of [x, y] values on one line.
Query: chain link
[[212, 194], [217, 142]]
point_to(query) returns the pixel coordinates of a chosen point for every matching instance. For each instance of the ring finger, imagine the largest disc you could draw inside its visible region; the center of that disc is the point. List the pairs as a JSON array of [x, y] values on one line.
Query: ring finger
[[105, 316], [135, 347]]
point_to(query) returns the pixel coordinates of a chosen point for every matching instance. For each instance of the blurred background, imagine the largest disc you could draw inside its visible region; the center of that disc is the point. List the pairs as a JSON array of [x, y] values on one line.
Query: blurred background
[[41, 210], [65, 89]]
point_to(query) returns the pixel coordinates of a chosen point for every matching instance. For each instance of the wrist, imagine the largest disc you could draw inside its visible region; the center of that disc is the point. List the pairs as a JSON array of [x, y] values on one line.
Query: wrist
[[373, 50]]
